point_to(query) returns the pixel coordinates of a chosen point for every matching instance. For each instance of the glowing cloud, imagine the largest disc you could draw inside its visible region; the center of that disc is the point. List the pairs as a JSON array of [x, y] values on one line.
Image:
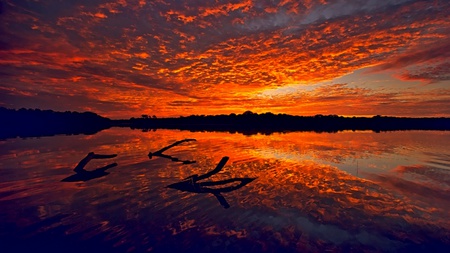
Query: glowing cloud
[[147, 56]]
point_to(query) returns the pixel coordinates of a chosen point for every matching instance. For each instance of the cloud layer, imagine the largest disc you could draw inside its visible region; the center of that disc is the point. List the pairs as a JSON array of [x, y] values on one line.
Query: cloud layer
[[190, 57]]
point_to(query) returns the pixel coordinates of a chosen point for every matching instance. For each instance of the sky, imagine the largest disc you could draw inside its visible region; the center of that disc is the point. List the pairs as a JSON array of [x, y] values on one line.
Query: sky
[[167, 58]]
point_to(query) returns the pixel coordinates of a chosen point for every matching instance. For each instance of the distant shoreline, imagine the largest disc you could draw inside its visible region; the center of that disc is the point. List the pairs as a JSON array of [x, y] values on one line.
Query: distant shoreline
[[35, 123], [251, 123]]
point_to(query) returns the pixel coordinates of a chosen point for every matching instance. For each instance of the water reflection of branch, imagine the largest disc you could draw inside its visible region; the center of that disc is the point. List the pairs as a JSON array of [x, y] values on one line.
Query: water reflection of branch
[[191, 184], [174, 159], [85, 175]]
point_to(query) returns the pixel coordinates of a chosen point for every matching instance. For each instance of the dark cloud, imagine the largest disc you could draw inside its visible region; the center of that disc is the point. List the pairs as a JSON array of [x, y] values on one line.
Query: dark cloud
[[439, 72], [437, 52], [58, 102]]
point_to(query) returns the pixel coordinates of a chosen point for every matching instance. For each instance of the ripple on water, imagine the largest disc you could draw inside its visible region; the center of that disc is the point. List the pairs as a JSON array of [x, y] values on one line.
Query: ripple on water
[[301, 199]]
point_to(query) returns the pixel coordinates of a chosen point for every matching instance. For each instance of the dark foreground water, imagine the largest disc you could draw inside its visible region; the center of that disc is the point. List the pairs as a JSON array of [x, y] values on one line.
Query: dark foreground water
[[313, 192]]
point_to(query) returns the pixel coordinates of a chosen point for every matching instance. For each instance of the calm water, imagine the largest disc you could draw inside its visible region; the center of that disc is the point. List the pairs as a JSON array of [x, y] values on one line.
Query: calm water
[[350, 191]]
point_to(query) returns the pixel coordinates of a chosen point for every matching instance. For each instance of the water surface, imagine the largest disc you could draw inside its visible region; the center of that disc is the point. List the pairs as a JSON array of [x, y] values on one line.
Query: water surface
[[344, 192]]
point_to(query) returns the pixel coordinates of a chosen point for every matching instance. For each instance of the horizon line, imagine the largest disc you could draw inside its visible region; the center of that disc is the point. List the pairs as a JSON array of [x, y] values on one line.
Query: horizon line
[[229, 114]]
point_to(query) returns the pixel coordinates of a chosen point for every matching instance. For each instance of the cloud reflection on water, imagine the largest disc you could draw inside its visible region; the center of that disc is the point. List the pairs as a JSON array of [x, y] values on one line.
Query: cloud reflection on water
[[307, 196]]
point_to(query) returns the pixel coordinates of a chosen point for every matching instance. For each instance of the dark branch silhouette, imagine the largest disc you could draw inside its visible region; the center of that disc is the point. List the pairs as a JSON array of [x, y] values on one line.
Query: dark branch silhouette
[[191, 184], [160, 152], [85, 175]]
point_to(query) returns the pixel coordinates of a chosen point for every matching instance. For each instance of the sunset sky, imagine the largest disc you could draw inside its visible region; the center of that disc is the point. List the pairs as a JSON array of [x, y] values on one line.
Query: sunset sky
[[125, 58]]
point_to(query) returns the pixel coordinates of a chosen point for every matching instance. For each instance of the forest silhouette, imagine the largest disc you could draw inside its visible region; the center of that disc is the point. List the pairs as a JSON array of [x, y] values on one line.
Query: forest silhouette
[[35, 122]]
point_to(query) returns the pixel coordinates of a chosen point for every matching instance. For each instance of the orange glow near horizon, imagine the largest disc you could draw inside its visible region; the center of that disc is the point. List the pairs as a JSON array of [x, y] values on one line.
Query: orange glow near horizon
[[166, 58]]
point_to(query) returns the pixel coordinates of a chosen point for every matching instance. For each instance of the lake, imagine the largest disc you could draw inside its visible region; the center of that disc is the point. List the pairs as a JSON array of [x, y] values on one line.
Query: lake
[[306, 192]]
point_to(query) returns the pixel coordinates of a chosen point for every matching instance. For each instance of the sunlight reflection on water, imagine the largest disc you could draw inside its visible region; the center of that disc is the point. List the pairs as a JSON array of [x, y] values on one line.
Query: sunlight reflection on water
[[348, 191]]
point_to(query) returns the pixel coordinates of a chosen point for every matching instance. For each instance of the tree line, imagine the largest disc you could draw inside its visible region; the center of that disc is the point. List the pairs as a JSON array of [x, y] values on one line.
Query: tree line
[[267, 123], [35, 122]]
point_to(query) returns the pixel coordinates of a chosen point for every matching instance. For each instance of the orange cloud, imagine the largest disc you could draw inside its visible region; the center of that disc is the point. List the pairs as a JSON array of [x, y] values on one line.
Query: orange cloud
[[219, 58]]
